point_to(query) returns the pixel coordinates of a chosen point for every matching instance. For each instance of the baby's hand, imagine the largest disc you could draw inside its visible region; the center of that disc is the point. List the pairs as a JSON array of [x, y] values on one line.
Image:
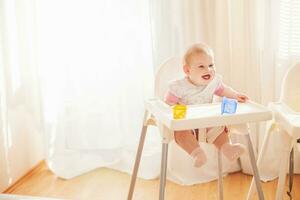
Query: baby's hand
[[241, 98]]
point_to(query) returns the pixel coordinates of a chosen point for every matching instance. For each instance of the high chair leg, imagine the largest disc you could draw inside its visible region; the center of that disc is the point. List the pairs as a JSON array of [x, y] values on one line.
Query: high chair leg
[[163, 171], [287, 140], [138, 157], [259, 160], [253, 165], [220, 174], [282, 175]]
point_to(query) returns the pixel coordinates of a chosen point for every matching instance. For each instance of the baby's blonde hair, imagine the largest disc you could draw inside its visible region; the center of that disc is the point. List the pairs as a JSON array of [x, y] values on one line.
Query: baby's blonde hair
[[195, 49]]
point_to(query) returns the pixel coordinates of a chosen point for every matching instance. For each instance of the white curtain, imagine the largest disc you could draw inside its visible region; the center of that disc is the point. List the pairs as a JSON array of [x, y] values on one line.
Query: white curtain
[[95, 60], [21, 144]]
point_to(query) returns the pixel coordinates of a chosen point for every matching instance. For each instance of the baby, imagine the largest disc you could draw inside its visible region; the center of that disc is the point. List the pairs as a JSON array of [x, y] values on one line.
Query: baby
[[197, 87]]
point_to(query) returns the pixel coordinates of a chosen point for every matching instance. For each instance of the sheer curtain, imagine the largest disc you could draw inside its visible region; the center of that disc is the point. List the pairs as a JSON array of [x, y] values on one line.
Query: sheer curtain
[[95, 60]]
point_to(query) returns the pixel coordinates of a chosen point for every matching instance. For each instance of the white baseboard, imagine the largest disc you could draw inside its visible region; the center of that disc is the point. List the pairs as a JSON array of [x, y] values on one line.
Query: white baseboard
[[21, 197]]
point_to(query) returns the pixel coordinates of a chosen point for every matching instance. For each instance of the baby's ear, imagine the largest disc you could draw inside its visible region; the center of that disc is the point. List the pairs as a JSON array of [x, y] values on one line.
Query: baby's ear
[[186, 69]]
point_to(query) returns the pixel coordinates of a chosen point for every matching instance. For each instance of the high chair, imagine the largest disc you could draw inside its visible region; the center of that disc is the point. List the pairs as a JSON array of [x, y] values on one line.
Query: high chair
[[198, 116], [287, 118]]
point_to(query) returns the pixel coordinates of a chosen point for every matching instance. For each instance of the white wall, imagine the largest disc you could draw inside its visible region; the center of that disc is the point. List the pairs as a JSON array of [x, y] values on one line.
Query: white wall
[[20, 111], [21, 143]]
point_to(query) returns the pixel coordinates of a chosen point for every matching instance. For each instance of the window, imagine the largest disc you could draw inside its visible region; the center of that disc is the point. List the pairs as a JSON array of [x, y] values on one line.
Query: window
[[289, 29]]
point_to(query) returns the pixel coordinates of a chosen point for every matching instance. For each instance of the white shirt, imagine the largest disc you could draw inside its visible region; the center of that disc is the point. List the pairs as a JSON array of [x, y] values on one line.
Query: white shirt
[[191, 94]]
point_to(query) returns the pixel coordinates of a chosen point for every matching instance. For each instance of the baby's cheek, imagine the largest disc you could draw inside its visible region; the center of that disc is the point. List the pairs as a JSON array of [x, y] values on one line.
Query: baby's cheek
[[213, 71], [212, 75]]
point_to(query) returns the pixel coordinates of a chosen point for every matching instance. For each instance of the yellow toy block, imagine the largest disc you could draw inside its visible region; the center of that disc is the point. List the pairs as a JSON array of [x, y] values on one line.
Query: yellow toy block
[[179, 111]]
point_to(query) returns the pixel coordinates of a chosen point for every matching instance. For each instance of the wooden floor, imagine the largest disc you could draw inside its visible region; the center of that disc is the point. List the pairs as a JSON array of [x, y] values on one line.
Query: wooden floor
[[107, 184]]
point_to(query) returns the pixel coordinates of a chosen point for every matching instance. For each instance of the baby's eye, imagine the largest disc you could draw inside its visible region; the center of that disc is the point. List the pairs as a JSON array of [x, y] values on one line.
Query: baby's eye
[[201, 66], [211, 65]]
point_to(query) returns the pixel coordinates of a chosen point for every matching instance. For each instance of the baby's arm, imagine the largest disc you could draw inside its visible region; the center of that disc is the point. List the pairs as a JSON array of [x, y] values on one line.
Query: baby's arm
[[171, 99], [226, 91], [173, 95]]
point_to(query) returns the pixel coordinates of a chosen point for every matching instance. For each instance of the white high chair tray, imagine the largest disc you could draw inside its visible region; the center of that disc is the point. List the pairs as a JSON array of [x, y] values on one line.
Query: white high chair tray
[[207, 115], [287, 118]]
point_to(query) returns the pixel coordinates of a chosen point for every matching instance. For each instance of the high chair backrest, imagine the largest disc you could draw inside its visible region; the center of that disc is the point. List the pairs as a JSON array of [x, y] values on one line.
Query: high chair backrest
[[171, 69], [290, 91]]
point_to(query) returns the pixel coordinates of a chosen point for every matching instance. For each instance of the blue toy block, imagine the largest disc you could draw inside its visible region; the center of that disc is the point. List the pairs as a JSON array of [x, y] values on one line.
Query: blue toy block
[[228, 105]]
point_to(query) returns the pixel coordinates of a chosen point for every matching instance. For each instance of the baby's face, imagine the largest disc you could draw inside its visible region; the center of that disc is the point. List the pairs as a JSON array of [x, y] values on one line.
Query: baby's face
[[201, 69]]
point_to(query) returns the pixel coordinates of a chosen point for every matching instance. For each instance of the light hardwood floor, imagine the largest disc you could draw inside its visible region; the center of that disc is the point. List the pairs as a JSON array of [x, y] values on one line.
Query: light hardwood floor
[[107, 184]]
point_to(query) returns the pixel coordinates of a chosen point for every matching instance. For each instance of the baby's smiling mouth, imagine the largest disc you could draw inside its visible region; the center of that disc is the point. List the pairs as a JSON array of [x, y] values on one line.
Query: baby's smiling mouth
[[206, 77]]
